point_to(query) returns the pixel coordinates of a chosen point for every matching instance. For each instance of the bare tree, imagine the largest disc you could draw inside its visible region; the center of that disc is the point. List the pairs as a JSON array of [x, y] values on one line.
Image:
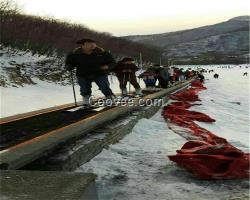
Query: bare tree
[[47, 35], [8, 8]]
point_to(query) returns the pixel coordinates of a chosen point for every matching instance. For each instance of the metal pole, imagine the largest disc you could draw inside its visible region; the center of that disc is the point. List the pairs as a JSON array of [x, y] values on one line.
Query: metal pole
[[140, 65], [73, 86], [141, 60], [129, 85]]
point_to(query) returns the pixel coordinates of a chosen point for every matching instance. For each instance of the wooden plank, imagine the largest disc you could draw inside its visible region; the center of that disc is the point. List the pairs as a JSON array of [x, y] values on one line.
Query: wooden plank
[[34, 113], [26, 115]]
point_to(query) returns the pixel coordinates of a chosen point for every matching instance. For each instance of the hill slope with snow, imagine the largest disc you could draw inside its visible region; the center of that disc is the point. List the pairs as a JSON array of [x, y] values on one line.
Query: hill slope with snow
[[227, 38], [20, 68]]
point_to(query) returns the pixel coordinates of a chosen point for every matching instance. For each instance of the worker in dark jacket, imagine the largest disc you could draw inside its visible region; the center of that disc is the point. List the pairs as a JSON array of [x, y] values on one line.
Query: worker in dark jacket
[[125, 72], [164, 77], [201, 77], [158, 71], [92, 64]]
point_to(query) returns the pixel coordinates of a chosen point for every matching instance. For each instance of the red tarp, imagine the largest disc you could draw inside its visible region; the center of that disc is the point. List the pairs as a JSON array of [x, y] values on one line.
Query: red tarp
[[210, 166], [171, 111], [210, 156], [188, 95]]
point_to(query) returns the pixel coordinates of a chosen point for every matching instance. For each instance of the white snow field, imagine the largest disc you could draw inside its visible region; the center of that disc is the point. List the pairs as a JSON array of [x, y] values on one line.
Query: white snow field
[[138, 168]]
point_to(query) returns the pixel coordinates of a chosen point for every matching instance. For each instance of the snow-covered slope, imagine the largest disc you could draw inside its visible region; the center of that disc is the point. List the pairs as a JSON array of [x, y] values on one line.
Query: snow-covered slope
[[21, 68]]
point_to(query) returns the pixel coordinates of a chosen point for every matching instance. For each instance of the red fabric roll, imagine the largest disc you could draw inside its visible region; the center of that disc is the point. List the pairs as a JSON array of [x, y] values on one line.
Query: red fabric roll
[[209, 156]]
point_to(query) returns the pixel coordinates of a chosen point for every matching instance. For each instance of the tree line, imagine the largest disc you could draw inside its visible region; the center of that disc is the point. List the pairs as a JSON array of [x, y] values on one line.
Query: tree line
[[47, 35]]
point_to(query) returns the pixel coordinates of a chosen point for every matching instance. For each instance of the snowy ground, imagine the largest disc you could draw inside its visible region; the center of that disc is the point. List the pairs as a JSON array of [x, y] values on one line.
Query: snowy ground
[[227, 100], [138, 168], [43, 95]]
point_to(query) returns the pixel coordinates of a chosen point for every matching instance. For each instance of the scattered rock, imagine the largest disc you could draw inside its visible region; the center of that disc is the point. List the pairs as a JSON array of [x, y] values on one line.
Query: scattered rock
[[235, 102], [120, 178]]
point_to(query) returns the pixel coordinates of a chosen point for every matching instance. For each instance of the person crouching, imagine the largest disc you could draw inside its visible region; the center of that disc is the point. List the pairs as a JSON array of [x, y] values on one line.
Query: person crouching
[[125, 71], [148, 78]]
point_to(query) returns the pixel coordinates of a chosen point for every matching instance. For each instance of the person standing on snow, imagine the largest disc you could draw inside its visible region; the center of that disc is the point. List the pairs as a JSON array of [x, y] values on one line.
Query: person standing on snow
[[181, 75], [92, 64], [125, 72], [164, 77], [171, 74], [201, 77]]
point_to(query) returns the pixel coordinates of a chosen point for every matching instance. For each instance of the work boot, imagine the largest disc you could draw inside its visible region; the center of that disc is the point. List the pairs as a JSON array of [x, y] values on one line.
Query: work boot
[[124, 92], [86, 101], [138, 92]]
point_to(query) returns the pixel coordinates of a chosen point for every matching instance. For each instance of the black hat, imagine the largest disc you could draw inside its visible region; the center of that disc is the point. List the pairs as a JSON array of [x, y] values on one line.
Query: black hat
[[82, 41], [126, 59], [156, 65]]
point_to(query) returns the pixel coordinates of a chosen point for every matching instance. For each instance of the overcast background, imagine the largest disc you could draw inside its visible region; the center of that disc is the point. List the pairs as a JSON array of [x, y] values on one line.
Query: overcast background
[[132, 17]]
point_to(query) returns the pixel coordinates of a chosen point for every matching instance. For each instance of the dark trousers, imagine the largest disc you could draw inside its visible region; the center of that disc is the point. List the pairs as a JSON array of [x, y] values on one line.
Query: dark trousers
[[86, 85], [171, 79], [127, 77], [162, 82]]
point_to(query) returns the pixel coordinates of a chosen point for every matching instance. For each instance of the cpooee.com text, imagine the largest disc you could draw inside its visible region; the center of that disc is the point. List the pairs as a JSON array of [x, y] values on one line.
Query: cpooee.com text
[[126, 102]]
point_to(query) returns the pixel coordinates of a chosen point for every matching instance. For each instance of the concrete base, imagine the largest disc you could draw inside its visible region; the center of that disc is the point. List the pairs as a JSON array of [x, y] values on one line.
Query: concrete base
[[37, 185]]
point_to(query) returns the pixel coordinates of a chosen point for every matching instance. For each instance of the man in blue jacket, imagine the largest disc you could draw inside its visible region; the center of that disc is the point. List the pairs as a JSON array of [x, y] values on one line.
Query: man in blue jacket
[[92, 64]]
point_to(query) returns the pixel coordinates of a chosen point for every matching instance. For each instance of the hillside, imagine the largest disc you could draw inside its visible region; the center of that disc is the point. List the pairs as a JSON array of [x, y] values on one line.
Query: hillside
[[48, 36], [21, 68], [227, 39]]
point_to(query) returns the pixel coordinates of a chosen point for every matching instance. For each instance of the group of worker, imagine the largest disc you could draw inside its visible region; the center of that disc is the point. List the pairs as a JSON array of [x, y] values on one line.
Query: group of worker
[[93, 64]]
